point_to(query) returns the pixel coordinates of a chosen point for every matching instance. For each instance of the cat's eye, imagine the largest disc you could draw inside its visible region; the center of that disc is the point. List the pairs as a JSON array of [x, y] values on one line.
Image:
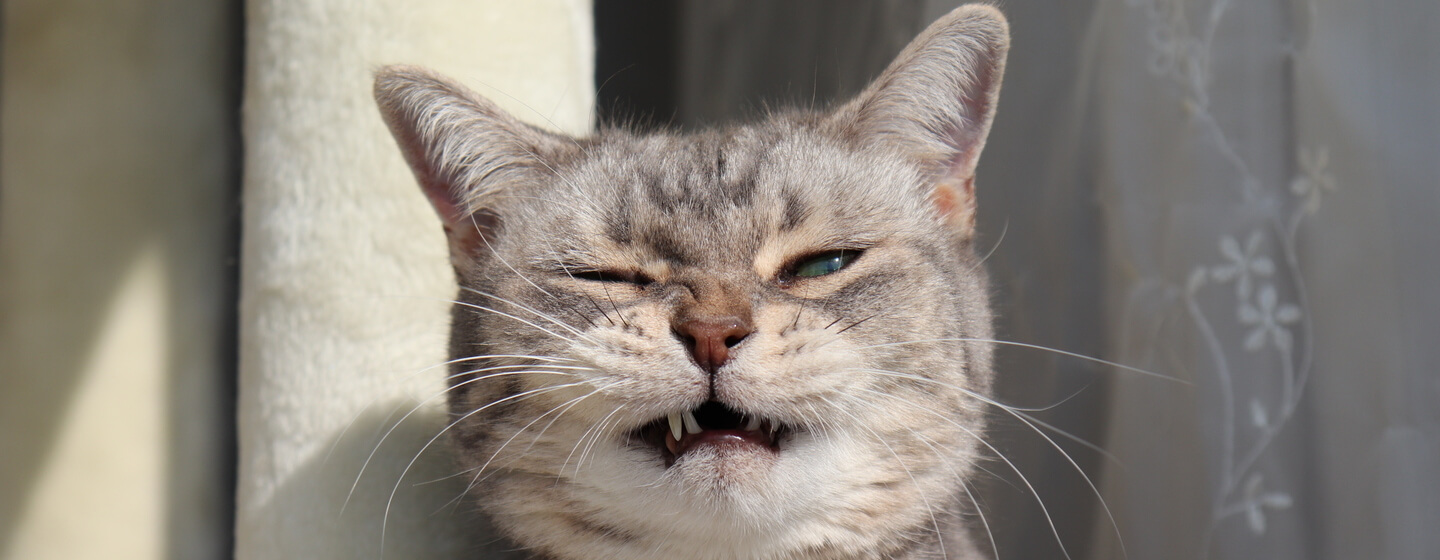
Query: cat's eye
[[613, 276], [821, 264]]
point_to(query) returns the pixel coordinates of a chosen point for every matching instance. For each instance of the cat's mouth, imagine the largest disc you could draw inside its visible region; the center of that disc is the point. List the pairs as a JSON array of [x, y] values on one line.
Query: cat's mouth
[[711, 424]]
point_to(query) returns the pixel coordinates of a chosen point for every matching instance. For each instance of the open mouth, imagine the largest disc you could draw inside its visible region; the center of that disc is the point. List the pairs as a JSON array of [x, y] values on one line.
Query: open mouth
[[712, 424]]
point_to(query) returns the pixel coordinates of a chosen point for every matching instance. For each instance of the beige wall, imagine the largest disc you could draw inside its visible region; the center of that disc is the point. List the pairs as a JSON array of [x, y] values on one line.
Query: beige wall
[[116, 169]]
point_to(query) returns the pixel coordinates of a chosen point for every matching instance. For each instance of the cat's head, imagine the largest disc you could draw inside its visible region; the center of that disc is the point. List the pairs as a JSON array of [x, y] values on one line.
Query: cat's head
[[763, 340]]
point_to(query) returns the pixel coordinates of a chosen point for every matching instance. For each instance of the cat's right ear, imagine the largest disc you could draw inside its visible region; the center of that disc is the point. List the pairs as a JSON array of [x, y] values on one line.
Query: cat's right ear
[[935, 103], [462, 149]]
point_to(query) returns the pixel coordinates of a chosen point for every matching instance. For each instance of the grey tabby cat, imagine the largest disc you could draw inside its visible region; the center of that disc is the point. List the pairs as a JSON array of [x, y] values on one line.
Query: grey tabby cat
[[764, 341]]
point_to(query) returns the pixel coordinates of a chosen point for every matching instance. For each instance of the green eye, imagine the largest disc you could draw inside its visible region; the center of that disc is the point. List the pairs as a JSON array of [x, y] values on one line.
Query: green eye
[[822, 264]]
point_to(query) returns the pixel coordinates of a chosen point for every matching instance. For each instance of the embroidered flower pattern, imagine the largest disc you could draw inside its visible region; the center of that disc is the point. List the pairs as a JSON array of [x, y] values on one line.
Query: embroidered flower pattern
[[1182, 36], [1256, 501], [1269, 319], [1245, 264], [1314, 177], [1259, 417]]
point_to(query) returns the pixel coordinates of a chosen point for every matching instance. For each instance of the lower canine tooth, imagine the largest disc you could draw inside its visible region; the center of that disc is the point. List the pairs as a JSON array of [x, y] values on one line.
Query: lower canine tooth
[[691, 424], [675, 426]]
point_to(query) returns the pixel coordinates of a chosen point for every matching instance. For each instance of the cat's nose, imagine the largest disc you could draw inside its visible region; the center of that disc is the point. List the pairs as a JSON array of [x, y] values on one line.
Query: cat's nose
[[710, 340]]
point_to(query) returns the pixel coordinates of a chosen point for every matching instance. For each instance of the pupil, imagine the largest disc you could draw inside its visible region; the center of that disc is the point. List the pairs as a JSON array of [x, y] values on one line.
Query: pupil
[[822, 266]]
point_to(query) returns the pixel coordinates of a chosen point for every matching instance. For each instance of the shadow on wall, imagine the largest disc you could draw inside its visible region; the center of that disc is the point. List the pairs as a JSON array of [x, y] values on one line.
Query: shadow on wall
[[117, 215], [373, 456]]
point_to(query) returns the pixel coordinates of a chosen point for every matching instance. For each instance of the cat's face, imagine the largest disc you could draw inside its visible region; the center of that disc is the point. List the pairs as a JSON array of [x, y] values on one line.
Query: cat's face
[[764, 341]]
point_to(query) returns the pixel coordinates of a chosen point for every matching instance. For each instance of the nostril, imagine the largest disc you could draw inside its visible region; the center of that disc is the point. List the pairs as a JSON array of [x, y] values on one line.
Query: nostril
[[709, 340]]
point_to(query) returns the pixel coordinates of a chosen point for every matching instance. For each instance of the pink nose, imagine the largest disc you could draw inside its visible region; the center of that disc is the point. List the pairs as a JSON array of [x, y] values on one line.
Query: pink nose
[[711, 339]]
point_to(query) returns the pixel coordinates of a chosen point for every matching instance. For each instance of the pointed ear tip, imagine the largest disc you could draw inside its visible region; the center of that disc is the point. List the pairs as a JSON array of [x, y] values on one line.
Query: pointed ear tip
[[391, 76], [982, 20], [980, 13]]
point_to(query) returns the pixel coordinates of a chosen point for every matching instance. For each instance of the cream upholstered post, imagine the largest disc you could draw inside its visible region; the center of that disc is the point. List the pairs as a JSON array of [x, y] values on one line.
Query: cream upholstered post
[[345, 279]]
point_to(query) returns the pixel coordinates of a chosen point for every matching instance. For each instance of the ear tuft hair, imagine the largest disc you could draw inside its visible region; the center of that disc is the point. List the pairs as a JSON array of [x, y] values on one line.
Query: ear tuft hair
[[462, 149], [936, 102]]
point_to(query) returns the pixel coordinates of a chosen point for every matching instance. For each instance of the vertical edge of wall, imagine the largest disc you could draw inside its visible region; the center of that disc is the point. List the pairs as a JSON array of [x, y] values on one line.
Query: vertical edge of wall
[[344, 281], [117, 177]]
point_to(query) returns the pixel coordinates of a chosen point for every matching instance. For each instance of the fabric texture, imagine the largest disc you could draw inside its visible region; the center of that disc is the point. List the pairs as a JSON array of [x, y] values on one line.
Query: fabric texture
[[1268, 182], [345, 283]]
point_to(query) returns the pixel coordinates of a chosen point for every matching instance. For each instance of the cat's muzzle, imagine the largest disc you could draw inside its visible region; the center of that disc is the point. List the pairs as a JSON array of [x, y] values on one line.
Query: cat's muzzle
[[711, 424]]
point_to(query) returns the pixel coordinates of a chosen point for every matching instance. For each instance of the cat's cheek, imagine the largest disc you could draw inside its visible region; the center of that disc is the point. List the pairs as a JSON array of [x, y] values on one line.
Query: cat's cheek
[[787, 387], [653, 377]]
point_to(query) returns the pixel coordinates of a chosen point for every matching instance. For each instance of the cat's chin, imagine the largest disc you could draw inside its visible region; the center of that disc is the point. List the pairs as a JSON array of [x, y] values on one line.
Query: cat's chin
[[725, 464]]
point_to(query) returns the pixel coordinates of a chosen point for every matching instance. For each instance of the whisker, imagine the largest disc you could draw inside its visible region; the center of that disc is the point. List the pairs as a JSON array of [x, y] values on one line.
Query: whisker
[[502, 260], [537, 313], [1003, 230], [611, 299], [1007, 408], [1041, 501], [929, 510], [384, 520], [857, 323], [416, 408], [1035, 347], [562, 407], [958, 477], [799, 308], [598, 434], [537, 327], [412, 375], [1031, 423], [587, 296]]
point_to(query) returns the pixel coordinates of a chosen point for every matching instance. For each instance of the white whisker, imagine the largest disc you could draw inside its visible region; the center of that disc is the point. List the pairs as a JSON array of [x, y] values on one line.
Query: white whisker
[[919, 490], [419, 406], [1041, 501], [1034, 347], [385, 518]]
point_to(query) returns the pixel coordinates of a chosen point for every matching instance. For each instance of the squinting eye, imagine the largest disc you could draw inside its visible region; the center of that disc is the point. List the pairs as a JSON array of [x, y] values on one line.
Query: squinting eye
[[614, 276], [823, 264]]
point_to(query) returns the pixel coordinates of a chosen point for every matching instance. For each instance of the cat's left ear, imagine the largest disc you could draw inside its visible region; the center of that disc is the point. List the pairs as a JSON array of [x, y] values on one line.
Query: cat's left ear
[[464, 150], [935, 103]]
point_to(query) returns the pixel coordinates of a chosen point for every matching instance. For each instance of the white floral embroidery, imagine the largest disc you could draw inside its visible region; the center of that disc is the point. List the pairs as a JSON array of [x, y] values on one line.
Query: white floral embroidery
[[1182, 35], [1269, 318], [1259, 417], [1257, 501], [1244, 264], [1314, 177]]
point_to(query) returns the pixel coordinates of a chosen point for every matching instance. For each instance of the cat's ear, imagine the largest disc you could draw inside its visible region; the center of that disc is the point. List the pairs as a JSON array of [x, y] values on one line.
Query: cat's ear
[[935, 103], [463, 149]]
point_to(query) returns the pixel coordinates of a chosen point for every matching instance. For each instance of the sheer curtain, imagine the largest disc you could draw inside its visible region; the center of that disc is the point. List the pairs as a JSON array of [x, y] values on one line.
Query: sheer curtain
[[1237, 197], [1267, 175], [1234, 196]]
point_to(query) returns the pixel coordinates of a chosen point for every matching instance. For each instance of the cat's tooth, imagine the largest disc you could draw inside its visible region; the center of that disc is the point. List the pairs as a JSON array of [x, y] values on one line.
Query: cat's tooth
[[691, 424], [754, 424], [675, 426]]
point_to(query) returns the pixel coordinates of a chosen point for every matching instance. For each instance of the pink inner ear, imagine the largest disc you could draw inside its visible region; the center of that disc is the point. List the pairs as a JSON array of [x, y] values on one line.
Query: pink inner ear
[[442, 198], [468, 233], [954, 197]]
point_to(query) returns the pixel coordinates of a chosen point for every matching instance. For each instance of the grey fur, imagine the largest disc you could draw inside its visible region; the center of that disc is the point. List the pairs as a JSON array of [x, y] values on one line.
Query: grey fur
[[875, 369]]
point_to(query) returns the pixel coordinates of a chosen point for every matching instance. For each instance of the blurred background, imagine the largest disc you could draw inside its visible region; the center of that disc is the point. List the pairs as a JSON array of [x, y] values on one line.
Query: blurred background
[[1239, 197]]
